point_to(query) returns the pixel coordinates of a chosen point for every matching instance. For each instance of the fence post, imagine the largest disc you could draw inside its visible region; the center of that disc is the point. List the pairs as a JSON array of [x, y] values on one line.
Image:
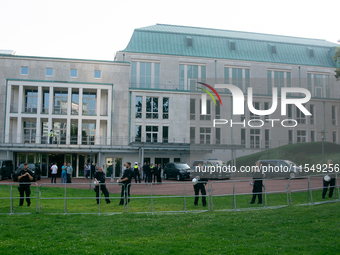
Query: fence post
[[290, 193], [11, 205], [36, 197], [234, 196], [208, 196], [265, 194], [65, 211], [151, 199], [310, 191], [337, 184], [184, 200]]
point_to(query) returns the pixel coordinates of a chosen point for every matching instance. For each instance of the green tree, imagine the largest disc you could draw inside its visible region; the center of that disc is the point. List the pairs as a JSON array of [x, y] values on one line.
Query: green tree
[[336, 58]]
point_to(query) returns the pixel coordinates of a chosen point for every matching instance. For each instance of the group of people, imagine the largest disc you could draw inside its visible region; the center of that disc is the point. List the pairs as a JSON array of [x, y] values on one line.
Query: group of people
[[26, 176], [66, 173], [148, 171]]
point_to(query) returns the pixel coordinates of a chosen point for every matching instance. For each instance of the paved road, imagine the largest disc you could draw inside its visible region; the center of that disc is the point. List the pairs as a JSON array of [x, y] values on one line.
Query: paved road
[[173, 187]]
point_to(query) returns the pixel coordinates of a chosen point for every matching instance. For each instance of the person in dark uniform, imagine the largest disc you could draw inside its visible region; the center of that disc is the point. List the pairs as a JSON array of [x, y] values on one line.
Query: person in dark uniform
[[147, 170], [200, 186], [126, 179], [257, 184], [25, 177], [152, 172], [92, 169], [136, 174], [100, 178], [331, 182], [159, 171]]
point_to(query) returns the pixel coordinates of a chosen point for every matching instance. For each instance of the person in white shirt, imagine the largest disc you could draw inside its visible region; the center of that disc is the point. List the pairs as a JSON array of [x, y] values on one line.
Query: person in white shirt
[[54, 171]]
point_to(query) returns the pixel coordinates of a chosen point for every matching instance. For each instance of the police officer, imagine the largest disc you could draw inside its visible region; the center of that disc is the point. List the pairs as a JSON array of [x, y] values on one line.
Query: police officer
[[200, 186], [100, 178], [136, 172], [126, 180], [51, 136], [159, 171], [331, 182], [257, 184], [25, 176], [146, 169]]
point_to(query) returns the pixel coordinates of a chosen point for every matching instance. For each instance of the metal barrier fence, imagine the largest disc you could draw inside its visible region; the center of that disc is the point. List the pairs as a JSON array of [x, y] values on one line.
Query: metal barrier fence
[[153, 197], [230, 195]]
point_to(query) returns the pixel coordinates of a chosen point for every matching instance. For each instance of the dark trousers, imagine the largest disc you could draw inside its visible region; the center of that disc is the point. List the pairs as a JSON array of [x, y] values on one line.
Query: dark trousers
[[200, 187], [257, 190], [68, 178], [125, 194], [104, 190], [325, 187], [147, 177], [51, 139], [54, 176], [159, 179], [154, 177], [137, 176], [25, 188]]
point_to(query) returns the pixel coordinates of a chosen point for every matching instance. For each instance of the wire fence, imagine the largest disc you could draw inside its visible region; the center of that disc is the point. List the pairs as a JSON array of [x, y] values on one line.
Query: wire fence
[[229, 195]]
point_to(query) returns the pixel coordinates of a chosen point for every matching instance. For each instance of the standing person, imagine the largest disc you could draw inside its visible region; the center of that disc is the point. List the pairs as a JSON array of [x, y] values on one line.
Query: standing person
[[93, 170], [200, 186], [54, 170], [25, 176], [99, 177], [147, 170], [69, 171], [144, 175], [63, 173], [136, 174], [151, 172], [330, 182], [257, 184], [51, 136], [159, 171], [126, 179]]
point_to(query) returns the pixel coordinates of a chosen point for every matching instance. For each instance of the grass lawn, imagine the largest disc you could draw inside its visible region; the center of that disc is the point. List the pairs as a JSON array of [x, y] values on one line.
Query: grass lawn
[[289, 230]]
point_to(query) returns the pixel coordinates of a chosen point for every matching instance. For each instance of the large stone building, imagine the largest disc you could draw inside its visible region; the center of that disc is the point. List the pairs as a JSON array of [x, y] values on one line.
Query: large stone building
[[147, 104]]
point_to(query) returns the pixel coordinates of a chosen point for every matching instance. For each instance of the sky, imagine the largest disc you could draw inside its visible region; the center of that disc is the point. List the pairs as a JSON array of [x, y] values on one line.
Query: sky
[[98, 29]]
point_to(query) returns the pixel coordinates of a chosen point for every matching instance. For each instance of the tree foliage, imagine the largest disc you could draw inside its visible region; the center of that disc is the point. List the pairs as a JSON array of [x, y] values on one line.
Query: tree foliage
[[336, 58]]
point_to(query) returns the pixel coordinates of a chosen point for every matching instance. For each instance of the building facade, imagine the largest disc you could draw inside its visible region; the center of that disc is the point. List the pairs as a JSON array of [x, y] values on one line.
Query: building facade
[[146, 106]]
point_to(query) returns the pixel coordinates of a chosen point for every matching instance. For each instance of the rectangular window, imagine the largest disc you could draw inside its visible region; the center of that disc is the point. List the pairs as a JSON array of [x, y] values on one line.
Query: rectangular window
[[290, 136], [138, 107], [217, 136], [239, 77], [138, 134], [218, 111], [165, 134], [205, 135], [266, 107], [75, 102], [59, 132], [74, 132], [134, 74], [188, 79], [31, 100], [145, 75], [318, 85], [312, 136], [301, 136], [192, 109], [152, 108], [243, 136], [49, 71], [300, 116], [257, 107], [192, 135], [208, 115], [74, 73], [278, 79], [29, 131], [89, 103], [311, 118], [267, 138], [97, 74], [333, 115], [334, 137], [156, 75], [151, 134], [88, 133], [255, 138], [46, 101], [24, 70], [165, 108]]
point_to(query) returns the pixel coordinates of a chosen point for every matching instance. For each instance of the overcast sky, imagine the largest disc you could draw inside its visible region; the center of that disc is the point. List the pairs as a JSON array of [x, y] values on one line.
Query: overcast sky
[[98, 29]]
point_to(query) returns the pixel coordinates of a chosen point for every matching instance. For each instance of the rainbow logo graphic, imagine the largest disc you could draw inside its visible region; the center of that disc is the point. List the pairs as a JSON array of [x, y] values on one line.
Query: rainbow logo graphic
[[204, 97]]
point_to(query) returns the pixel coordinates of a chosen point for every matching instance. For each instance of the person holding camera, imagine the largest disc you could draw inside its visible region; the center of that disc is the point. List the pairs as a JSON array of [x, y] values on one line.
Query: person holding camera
[[99, 179], [257, 184], [329, 179], [126, 180], [24, 178]]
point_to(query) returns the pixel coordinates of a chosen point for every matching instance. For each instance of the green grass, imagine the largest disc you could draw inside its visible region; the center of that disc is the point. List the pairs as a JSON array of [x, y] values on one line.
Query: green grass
[[312, 229]]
